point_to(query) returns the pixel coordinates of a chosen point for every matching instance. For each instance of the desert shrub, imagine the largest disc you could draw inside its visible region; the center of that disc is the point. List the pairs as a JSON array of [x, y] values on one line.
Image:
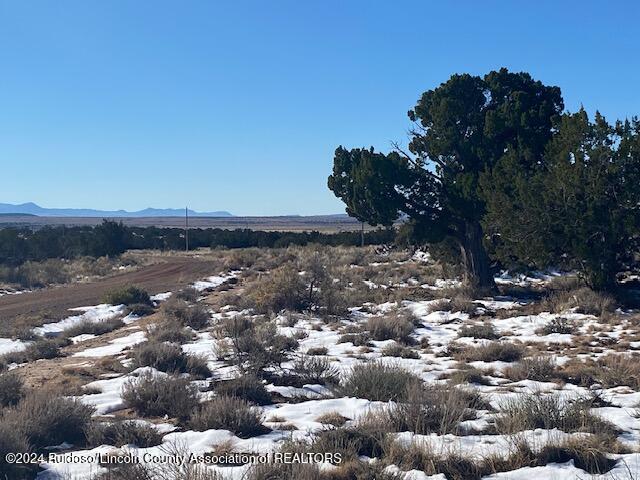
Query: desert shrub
[[94, 328], [47, 419], [41, 348], [158, 395], [558, 325], [415, 456], [283, 289], [3, 363], [229, 413], [481, 330], [316, 370], [257, 346], [396, 350], [140, 309], [391, 327], [378, 381], [434, 409], [316, 351], [463, 303], [188, 294], [11, 389], [539, 368], [119, 433], [169, 331], [332, 418], [583, 299], [358, 339], [490, 352], [531, 411], [168, 357], [468, 374], [13, 440], [194, 316], [128, 295], [247, 387], [618, 369], [278, 470], [587, 453]]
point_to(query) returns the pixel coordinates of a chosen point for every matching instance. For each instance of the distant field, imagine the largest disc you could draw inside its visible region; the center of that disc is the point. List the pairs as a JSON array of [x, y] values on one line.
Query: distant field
[[321, 223]]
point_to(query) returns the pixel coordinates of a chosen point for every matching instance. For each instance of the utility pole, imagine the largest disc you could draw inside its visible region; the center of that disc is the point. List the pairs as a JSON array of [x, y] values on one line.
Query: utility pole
[[186, 229]]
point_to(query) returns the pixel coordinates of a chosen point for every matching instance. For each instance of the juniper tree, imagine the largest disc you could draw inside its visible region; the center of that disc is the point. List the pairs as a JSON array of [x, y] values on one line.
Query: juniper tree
[[462, 129], [578, 208]]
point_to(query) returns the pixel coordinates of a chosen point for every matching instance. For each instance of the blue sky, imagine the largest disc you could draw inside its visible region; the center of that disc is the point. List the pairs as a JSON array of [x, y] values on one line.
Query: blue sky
[[239, 105]]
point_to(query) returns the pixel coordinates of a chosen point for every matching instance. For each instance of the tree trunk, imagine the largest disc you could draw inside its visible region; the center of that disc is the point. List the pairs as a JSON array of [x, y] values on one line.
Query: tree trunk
[[475, 257]]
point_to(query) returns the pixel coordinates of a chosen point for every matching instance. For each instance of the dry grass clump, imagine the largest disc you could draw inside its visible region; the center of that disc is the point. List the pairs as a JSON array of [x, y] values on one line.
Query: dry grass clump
[[255, 346], [13, 441], [490, 352], [46, 419], [194, 316], [11, 389], [358, 339], [397, 350], [467, 374], [434, 409], [479, 330], [610, 371], [188, 294], [538, 368], [94, 328], [315, 370], [247, 387], [282, 289], [583, 299], [169, 331], [126, 432], [128, 295], [158, 395], [46, 348], [332, 418], [558, 325], [588, 453], [390, 327], [318, 351], [168, 357], [531, 411], [229, 413], [378, 381]]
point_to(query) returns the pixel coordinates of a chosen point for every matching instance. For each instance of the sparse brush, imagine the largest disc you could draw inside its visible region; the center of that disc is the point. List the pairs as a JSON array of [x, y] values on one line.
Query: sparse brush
[[318, 351], [469, 375], [332, 418], [531, 411], [47, 419], [390, 327], [94, 328], [46, 348], [315, 370], [188, 294], [11, 389], [229, 413], [490, 352], [127, 432], [282, 289], [13, 440], [482, 330], [128, 295], [539, 368], [558, 325], [378, 381], [168, 357], [247, 387], [158, 395], [169, 331], [434, 409], [583, 299], [396, 350]]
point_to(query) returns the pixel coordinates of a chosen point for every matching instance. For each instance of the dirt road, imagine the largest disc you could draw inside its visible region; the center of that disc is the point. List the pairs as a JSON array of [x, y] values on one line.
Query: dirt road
[[172, 274]]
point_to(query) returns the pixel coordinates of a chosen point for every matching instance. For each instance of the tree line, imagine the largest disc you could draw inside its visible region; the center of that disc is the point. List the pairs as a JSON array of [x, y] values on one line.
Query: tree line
[[18, 245], [497, 167]]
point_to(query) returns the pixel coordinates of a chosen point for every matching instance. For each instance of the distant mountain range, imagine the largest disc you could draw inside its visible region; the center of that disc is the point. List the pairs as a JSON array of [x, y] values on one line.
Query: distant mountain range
[[33, 209]]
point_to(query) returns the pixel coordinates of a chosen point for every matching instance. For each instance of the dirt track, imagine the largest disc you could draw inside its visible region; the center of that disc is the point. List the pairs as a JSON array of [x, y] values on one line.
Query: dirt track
[[55, 302]]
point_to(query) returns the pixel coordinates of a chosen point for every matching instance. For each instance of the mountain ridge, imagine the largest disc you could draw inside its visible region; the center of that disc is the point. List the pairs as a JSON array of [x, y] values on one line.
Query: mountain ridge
[[31, 208]]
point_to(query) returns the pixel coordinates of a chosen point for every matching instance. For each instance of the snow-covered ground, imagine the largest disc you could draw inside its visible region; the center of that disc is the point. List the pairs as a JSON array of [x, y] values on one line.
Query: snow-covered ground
[[436, 334]]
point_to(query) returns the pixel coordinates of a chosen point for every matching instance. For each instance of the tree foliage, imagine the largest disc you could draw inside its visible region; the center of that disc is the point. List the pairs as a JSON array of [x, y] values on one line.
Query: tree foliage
[[463, 128]]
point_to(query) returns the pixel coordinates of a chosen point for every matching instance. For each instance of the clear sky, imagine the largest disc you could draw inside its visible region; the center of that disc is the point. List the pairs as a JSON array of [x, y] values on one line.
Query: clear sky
[[239, 105]]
